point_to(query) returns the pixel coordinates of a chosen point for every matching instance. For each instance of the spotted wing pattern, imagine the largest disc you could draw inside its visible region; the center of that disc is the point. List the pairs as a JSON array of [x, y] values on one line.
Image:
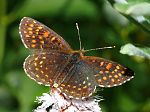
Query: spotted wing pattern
[[79, 83], [35, 35], [108, 73], [43, 67], [54, 63]]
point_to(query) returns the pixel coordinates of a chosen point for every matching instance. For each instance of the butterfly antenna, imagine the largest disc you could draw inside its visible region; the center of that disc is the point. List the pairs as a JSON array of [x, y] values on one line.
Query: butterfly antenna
[[109, 47], [79, 35]]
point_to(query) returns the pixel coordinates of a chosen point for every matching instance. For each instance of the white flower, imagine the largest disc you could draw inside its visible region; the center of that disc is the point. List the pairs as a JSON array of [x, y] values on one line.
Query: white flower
[[59, 103]]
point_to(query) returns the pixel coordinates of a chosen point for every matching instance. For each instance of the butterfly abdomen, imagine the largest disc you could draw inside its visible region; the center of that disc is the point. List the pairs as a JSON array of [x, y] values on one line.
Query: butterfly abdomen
[[67, 68]]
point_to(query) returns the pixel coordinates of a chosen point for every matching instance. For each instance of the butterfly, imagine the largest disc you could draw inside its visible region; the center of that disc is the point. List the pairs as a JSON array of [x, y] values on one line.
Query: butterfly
[[54, 63]]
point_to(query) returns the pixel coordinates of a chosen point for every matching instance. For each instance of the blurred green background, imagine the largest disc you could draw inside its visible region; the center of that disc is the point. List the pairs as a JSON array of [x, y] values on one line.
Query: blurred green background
[[100, 25]]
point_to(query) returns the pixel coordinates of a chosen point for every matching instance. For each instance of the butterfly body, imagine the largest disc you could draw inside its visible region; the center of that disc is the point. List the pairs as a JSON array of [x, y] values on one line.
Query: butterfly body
[[54, 63]]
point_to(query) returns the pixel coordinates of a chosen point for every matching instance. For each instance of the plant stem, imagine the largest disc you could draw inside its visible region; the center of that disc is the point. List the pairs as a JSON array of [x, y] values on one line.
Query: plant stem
[[3, 26]]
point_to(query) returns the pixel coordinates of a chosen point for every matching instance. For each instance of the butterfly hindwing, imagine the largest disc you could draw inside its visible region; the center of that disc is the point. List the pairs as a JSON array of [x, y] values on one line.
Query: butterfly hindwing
[[43, 67], [36, 35], [108, 73], [79, 84]]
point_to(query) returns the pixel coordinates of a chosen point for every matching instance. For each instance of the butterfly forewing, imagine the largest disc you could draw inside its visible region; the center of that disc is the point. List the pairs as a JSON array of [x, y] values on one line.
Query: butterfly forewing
[[35, 35], [108, 73], [43, 67]]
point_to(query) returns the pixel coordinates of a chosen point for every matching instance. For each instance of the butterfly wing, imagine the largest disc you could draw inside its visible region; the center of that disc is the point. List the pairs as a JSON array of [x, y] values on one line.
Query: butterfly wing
[[108, 73], [36, 35], [43, 67], [78, 84]]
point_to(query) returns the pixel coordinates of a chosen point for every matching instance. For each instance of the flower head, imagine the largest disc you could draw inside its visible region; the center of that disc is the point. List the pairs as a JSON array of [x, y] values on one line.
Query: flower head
[[60, 103]]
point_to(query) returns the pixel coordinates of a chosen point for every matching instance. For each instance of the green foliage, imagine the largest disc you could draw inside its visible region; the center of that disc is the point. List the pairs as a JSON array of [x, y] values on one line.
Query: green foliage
[[131, 50], [136, 11], [101, 24]]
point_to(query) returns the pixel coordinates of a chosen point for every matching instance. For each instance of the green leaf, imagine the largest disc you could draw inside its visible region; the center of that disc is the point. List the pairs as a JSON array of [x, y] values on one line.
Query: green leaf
[[136, 11], [132, 50]]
